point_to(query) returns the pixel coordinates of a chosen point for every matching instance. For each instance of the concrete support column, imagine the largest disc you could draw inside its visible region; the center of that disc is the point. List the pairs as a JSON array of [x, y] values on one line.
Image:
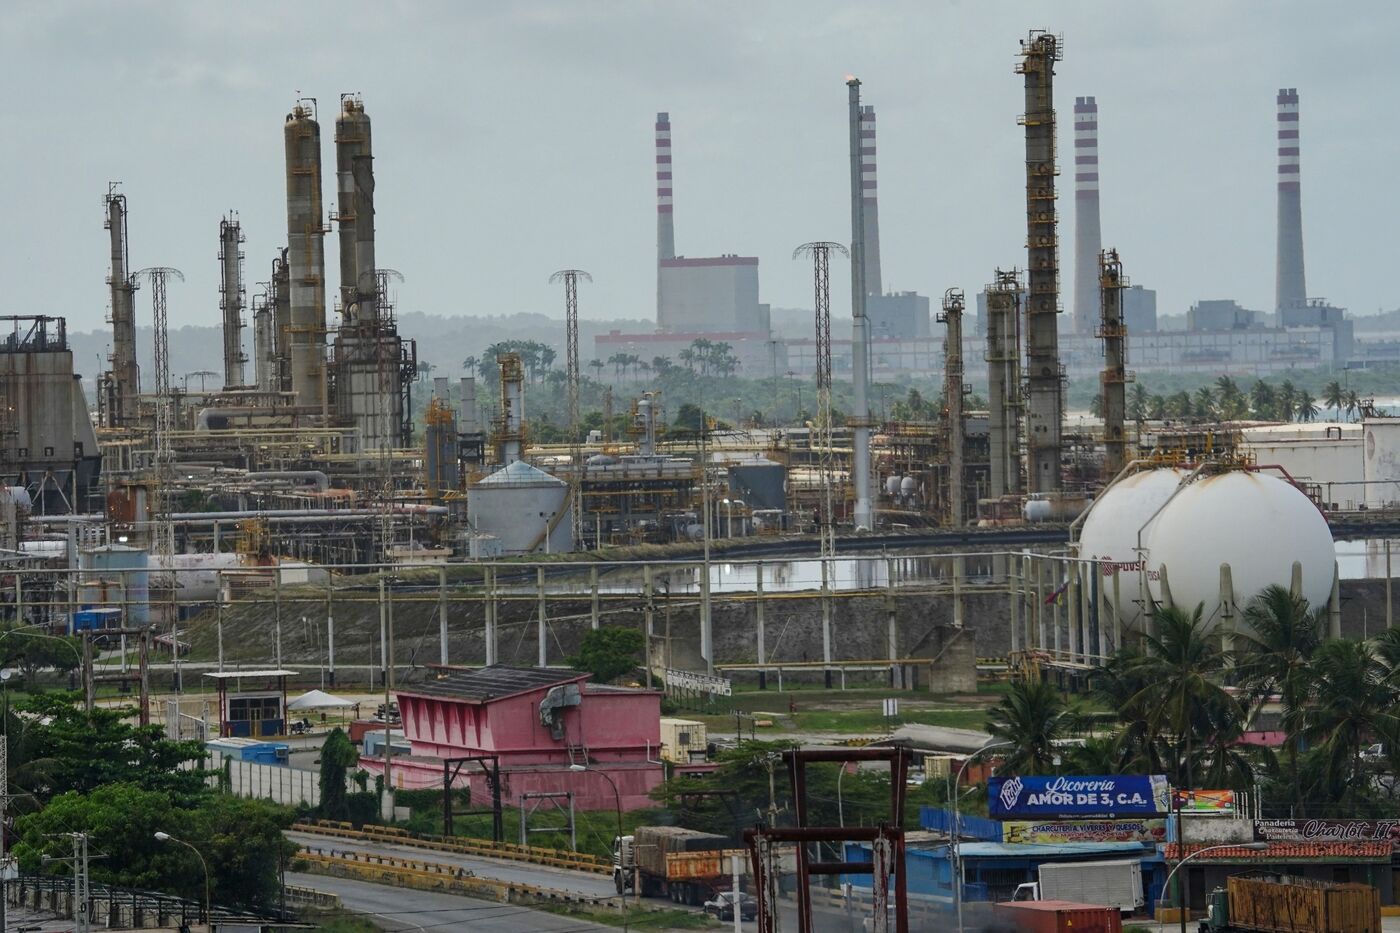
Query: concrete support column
[[760, 634], [543, 626], [489, 574], [593, 590], [649, 613], [442, 615]]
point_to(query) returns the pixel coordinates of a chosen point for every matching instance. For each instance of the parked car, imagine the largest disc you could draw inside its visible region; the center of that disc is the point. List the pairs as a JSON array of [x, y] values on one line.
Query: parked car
[[722, 907]]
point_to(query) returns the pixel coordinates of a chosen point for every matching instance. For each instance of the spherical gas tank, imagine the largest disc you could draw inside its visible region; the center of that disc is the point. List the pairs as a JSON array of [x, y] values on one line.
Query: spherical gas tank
[[892, 485], [908, 486], [1255, 522], [1110, 532]]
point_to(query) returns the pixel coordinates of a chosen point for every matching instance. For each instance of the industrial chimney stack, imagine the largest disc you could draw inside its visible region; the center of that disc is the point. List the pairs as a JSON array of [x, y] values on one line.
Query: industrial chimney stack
[[665, 224], [1291, 288], [1088, 238], [306, 258], [126, 373], [871, 198], [859, 420]]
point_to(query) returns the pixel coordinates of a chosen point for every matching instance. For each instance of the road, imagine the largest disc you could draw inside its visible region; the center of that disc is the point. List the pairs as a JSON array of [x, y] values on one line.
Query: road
[[559, 879], [405, 909]]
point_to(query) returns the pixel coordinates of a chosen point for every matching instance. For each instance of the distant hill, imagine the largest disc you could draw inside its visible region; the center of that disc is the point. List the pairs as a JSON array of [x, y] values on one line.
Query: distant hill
[[442, 341]]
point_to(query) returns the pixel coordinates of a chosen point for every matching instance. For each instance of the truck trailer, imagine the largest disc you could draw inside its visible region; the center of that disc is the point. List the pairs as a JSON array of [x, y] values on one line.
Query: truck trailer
[[1282, 904], [1110, 884], [686, 865], [1056, 917]]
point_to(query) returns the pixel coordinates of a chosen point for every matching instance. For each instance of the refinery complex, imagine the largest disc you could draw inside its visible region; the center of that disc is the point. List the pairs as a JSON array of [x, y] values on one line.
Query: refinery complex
[[380, 646]]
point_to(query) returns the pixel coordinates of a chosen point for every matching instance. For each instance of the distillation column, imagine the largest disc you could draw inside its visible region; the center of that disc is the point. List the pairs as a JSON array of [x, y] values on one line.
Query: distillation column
[[951, 316], [306, 258], [126, 374], [1115, 376], [1004, 383], [1044, 376], [231, 297], [280, 298]]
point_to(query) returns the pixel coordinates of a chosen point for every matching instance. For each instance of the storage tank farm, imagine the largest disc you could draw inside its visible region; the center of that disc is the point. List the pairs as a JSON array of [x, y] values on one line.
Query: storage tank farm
[[1214, 539]]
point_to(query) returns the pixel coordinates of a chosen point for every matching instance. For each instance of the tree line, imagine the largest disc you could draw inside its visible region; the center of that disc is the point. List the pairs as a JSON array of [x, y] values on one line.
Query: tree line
[[1180, 704], [1225, 400]]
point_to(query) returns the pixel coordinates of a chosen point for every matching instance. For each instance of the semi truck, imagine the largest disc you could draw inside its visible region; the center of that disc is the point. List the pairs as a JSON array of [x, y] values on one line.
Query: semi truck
[[1283, 904], [1109, 884], [686, 865]]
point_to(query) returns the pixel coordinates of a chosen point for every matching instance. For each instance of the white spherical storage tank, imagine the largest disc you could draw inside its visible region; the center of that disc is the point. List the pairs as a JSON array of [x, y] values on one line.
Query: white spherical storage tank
[[1257, 523], [1110, 533]]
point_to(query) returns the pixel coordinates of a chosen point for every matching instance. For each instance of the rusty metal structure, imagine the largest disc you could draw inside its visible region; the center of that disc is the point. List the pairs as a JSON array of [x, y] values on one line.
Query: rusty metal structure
[[119, 396], [890, 908], [1115, 376], [953, 389], [570, 279]]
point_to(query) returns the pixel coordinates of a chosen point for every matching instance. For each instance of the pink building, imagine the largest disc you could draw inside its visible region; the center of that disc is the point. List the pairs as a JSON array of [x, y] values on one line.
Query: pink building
[[538, 723]]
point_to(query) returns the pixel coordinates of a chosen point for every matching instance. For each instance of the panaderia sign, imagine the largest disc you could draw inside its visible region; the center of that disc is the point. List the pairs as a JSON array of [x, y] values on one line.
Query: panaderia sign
[[1326, 830]]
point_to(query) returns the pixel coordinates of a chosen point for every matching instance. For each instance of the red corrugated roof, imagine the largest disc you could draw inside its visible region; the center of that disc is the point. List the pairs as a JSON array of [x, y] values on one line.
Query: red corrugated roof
[[1331, 851]]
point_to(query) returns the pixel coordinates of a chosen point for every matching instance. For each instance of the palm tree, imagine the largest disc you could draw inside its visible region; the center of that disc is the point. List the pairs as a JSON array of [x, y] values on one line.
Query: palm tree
[[1181, 667], [1031, 716], [469, 364], [1118, 685], [1306, 406], [1137, 403], [1205, 403], [1353, 706], [1282, 635], [1352, 403], [1157, 407], [1287, 401], [1262, 400], [1334, 397], [597, 368]]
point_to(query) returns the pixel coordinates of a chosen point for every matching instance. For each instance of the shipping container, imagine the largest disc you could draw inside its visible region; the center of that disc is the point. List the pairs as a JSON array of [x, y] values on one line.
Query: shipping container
[[1059, 917], [1280, 904], [681, 737]]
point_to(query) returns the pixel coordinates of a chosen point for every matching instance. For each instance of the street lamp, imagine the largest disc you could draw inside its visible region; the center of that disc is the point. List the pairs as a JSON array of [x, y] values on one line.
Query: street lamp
[[617, 846], [1252, 846], [957, 827], [166, 837]]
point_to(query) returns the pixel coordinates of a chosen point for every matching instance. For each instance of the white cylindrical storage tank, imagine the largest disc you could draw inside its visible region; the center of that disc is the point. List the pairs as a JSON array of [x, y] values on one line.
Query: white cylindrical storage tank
[[1110, 533], [516, 504], [1380, 465], [1257, 523]]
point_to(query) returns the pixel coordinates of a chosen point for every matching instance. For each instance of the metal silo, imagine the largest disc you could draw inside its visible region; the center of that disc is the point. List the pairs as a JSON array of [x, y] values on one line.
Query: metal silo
[[116, 574], [523, 507]]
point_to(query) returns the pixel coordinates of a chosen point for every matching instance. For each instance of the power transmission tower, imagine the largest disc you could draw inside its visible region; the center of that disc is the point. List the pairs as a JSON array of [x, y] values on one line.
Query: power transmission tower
[[164, 530], [820, 252], [570, 279]]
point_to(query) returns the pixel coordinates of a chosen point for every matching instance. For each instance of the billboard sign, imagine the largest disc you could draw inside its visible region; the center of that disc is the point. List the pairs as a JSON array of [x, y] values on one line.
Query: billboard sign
[[1058, 831], [1204, 802], [1103, 795], [691, 682], [1327, 830]]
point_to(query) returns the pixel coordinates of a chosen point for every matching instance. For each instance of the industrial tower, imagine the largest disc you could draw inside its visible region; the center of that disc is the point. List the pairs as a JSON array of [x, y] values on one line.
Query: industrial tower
[[951, 316], [871, 201], [1004, 383], [864, 514], [1115, 377], [231, 297], [306, 258], [1290, 283], [124, 384], [570, 279], [1044, 375], [163, 533], [1088, 238]]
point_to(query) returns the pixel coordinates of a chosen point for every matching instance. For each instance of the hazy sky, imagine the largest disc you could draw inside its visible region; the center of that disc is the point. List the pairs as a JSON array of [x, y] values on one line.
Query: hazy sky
[[514, 139]]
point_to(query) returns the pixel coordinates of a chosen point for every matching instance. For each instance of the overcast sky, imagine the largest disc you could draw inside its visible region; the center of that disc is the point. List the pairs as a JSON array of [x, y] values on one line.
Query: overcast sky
[[514, 139]]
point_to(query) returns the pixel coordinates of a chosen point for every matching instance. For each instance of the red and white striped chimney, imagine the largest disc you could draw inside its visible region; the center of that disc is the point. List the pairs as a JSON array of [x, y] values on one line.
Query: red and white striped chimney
[[665, 227], [1290, 283], [1088, 237], [870, 196]]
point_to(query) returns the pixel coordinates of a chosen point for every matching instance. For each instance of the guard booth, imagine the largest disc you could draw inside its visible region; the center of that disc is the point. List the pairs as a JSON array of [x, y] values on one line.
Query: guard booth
[[252, 704]]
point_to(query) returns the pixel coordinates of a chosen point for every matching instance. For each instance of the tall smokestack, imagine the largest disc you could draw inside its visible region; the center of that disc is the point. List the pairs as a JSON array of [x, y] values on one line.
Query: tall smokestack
[[864, 515], [871, 198], [665, 223], [354, 162], [306, 258], [1044, 381], [231, 295], [1290, 284], [126, 374], [1088, 238]]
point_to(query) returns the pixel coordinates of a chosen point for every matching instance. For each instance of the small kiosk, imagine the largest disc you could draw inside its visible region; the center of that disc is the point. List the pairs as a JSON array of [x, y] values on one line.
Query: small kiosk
[[256, 712]]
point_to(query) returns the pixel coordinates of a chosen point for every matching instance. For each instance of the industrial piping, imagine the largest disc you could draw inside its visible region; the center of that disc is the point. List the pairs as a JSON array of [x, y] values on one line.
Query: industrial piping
[[864, 515]]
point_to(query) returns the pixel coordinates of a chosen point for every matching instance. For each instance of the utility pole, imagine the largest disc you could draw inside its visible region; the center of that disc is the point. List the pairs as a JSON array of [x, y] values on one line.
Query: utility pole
[[570, 279]]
